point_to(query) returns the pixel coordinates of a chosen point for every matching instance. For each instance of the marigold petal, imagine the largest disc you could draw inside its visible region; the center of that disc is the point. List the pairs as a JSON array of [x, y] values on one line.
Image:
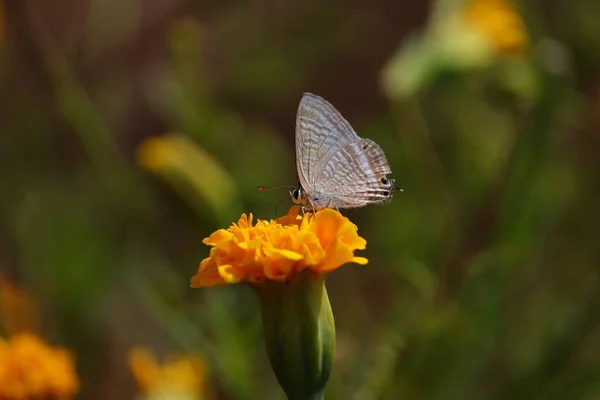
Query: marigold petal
[[284, 254], [236, 248], [360, 260], [337, 255], [278, 263], [230, 274], [245, 221], [348, 235], [218, 237], [208, 274], [326, 224], [305, 223], [293, 217], [310, 248]]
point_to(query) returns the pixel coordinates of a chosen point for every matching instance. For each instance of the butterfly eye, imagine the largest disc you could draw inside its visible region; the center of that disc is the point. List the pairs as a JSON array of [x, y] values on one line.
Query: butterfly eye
[[296, 194], [384, 180]]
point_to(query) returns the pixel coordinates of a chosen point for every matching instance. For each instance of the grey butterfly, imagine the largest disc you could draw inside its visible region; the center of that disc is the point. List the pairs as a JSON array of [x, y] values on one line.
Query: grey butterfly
[[336, 168]]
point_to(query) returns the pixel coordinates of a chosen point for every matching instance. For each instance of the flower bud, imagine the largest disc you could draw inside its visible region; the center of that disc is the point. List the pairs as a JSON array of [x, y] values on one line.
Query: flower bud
[[299, 333]]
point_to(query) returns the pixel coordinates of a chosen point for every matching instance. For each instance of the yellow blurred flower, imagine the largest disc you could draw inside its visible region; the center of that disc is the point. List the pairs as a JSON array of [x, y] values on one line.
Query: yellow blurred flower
[[157, 153], [500, 23], [30, 369], [278, 249], [461, 35], [182, 377], [193, 172]]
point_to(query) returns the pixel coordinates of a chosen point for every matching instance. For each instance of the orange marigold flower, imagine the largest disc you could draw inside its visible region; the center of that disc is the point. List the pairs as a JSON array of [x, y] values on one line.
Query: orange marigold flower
[[30, 369], [279, 249], [500, 23], [182, 375]]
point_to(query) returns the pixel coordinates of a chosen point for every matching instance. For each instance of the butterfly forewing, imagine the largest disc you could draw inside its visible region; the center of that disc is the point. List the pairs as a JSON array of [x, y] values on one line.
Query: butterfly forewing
[[320, 132]]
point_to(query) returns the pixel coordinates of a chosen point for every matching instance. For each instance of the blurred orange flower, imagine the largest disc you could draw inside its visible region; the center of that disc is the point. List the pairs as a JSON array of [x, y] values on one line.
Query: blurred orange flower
[[279, 249], [180, 377], [18, 310], [30, 369], [500, 23]]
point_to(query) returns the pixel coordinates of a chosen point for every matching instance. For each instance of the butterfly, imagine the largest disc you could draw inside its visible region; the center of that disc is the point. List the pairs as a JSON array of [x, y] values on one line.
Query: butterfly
[[336, 168]]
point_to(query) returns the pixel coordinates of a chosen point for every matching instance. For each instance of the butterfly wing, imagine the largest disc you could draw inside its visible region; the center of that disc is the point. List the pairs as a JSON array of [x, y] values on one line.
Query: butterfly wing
[[356, 176], [321, 132]]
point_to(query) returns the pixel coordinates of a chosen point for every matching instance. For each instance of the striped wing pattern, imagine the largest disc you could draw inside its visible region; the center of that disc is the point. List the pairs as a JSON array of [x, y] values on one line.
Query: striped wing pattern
[[320, 132], [337, 168]]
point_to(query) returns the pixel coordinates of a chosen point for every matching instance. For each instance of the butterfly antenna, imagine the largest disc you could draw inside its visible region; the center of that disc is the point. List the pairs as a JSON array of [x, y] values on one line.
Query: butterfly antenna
[[275, 187], [276, 206]]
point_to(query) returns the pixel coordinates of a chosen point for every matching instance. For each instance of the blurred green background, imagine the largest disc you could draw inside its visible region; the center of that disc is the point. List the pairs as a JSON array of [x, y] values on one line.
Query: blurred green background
[[483, 280]]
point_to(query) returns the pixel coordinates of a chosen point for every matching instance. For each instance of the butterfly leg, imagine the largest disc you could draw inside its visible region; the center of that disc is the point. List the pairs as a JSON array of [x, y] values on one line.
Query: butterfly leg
[[312, 206], [334, 206]]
